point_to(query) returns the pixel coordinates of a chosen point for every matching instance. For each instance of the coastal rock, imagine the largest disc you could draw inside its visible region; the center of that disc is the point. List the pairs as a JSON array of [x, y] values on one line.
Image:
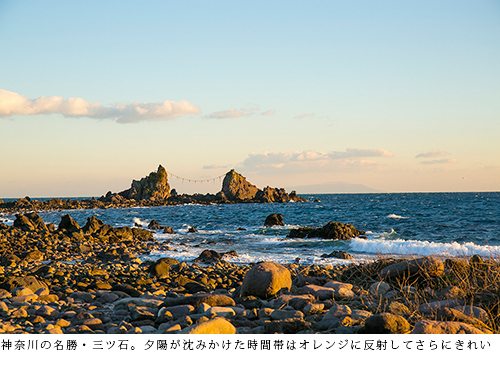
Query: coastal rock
[[153, 187], [386, 323], [23, 223], [436, 327], [213, 326], [425, 266], [338, 254], [235, 187], [211, 256], [269, 194], [319, 292], [274, 220], [332, 230], [68, 225], [92, 225], [265, 280]]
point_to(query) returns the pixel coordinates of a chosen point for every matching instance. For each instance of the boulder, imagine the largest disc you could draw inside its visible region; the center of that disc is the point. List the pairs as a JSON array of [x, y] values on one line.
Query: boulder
[[338, 254], [274, 220], [436, 327], [213, 326], [92, 225], [68, 225], [22, 222], [386, 323], [425, 266], [211, 256], [266, 280], [235, 187]]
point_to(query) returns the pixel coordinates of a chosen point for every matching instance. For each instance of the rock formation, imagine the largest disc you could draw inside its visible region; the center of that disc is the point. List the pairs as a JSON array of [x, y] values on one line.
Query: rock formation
[[153, 187], [235, 187]]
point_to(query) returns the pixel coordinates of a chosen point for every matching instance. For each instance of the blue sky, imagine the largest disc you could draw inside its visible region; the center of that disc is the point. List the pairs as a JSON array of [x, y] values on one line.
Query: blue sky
[[396, 95]]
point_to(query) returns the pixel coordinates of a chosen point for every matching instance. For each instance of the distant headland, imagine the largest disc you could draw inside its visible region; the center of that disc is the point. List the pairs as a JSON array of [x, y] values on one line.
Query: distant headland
[[154, 190]]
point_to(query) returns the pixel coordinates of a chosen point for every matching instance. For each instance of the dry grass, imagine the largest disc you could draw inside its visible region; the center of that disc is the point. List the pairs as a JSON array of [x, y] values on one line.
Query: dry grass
[[473, 280]]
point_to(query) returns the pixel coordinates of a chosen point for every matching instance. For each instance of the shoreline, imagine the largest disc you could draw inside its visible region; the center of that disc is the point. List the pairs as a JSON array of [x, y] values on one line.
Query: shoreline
[[57, 281]]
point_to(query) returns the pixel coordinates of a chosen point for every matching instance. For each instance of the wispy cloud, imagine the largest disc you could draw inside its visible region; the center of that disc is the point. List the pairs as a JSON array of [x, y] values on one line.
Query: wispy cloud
[[269, 112], [12, 103], [439, 161], [234, 113], [310, 159], [302, 116], [215, 166], [432, 154]]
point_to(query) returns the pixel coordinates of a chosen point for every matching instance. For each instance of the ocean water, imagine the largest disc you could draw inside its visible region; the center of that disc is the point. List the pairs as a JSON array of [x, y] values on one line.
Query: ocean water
[[451, 224]]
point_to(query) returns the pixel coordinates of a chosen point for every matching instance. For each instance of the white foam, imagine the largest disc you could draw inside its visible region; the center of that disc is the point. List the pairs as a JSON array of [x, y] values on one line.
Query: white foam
[[424, 248], [140, 222], [394, 216]]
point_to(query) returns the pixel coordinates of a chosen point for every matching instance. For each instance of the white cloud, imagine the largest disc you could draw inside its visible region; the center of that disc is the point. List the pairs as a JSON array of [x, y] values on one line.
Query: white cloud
[[310, 159], [12, 103], [432, 154]]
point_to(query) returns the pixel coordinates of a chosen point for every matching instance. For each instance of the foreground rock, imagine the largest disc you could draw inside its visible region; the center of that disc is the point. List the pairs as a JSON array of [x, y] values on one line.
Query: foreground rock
[[265, 280], [91, 279]]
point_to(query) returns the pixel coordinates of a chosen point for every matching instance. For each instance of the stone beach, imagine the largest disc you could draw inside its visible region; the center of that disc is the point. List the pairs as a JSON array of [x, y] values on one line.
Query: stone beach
[[91, 279]]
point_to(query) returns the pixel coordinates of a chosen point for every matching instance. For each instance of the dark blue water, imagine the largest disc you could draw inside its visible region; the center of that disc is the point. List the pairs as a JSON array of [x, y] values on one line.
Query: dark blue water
[[408, 223]]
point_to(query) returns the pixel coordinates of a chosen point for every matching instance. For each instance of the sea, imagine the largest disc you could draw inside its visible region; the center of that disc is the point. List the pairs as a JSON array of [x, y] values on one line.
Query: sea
[[396, 224]]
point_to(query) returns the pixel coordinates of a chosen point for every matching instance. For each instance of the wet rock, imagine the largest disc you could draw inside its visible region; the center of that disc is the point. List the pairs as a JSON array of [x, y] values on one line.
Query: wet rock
[[265, 280], [332, 230], [211, 256], [274, 220], [338, 254]]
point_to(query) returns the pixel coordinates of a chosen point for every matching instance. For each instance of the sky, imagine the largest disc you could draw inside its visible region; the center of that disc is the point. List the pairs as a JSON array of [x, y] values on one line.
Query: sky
[[397, 96]]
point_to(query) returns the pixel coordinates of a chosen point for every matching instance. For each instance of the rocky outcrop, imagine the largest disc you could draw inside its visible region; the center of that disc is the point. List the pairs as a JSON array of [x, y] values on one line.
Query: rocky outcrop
[[235, 187], [332, 231], [154, 187]]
